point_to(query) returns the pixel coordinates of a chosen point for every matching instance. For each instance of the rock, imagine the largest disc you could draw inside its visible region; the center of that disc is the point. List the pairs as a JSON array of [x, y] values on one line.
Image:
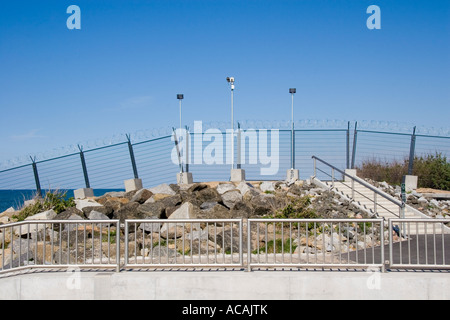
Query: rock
[[227, 238], [141, 196], [208, 205], [163, 252], [224, 187], [115, 194], [113, 204], [164, 189], [217, 212], [105, 210], [263, 204], [176, 230], [267, 186], [196, 235], [150, 227], [230, 198], [72, 226], [128, 211], [155, 210], [244, 187], [157, 197], [80, 204], [161, 209], [186, 211], [196, 187], [205, 247], [207, 195], [4, 220], [46, 215], [67, 213], [95, 215]]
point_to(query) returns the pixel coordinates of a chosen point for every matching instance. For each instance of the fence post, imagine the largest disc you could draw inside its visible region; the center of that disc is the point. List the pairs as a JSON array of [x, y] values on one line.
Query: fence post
[[36, 177], [411, 152], [187, 149], [355, 136], [83, 164], [239, 146], [348, 146], [133, 160]]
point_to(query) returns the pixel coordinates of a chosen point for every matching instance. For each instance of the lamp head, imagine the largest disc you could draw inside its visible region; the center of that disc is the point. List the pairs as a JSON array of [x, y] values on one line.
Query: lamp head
[[292, 90], [180, 96]]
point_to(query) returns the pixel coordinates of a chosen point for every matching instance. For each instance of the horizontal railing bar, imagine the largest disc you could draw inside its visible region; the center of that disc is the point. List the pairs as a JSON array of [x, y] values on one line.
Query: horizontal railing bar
[[367, 185]]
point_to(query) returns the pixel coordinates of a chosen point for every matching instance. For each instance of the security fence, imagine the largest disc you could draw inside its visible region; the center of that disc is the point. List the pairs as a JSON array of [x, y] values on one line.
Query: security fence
[[264, 154]]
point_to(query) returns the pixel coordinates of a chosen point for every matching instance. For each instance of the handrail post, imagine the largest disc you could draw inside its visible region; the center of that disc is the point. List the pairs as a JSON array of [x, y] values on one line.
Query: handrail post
[[332, 177], [315, 164], [249, 246], [375, 203], [353, 189]]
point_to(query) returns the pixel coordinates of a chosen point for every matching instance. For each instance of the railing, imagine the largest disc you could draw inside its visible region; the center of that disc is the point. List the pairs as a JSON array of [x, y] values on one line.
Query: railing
[[183, 242], [60, 243], [419, 243], [227, 243], [355, 180], [315, 243]]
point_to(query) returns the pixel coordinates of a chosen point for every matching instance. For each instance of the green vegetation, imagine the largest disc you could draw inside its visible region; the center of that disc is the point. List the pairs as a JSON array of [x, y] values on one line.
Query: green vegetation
[[55, 200], [433, 171], [278, 246], [297, 209]]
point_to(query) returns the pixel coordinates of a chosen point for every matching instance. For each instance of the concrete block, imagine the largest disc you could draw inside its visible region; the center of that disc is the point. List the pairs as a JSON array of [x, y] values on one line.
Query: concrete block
[[133, 184], [237, 175], [351, 172], [410, 182], [83, 193], [292, 175], [185, 178]]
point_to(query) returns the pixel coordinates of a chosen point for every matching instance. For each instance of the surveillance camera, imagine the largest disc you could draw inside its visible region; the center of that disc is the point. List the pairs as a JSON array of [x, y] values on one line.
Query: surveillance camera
[[230, 79]]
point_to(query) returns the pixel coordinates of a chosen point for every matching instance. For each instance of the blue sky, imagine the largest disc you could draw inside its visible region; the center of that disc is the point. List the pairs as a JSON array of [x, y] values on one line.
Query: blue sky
[[121, 72]]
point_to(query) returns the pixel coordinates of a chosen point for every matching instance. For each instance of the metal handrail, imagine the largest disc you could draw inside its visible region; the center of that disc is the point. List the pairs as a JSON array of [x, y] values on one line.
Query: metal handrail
[[55, 242], [401, 205], [360, 181]]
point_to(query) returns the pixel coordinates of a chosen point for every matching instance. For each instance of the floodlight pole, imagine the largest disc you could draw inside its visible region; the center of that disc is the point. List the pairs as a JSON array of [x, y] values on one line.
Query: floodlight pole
[[180, 97], [232, 127], [231, 82], [292, 91]]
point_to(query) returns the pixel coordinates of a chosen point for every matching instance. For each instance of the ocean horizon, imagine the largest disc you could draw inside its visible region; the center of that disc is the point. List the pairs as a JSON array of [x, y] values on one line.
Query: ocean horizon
[[16, 198]]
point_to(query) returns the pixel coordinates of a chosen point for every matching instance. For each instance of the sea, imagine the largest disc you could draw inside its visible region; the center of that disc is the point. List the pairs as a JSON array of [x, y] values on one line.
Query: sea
[[16, 198]]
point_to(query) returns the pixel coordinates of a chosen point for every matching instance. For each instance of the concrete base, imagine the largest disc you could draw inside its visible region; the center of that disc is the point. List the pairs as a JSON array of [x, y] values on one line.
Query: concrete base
[[133, 184], [351, 172], [227, 285], [237, 175], [185, 178], [292, 175], [83, 193], [410, 183]]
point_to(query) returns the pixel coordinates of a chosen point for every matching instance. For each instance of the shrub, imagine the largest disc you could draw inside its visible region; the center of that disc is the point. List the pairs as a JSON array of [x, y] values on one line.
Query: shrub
[[55, 200], [433, 171]]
